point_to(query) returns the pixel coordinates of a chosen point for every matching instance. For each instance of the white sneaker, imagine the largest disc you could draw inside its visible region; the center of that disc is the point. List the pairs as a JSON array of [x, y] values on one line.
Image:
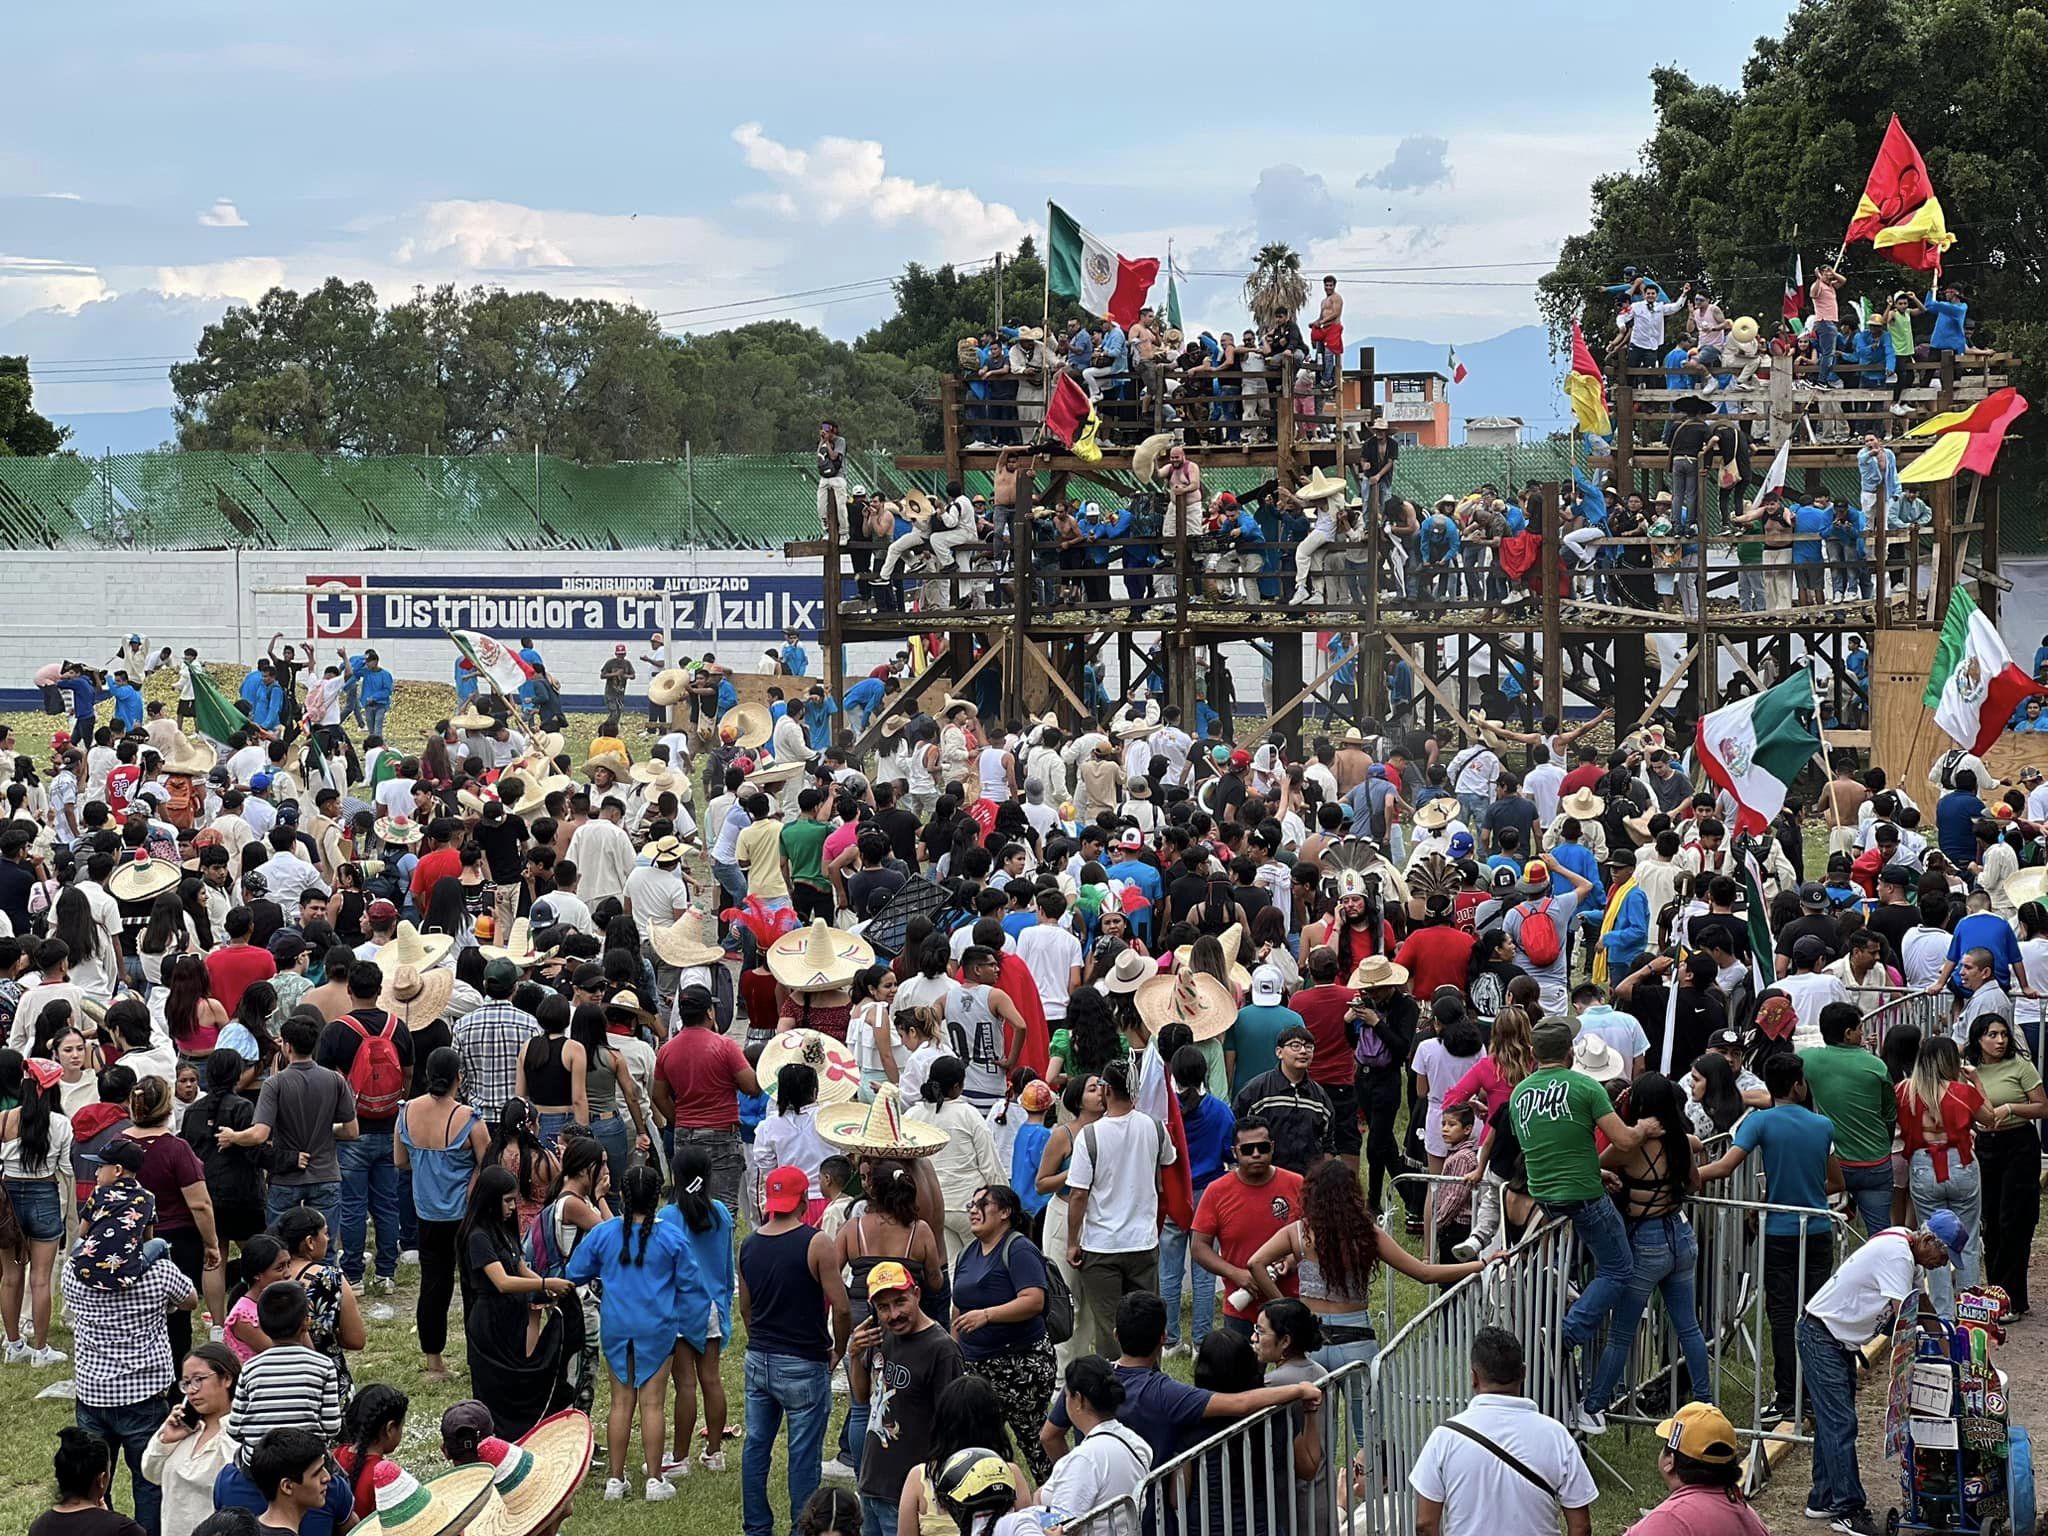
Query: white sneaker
[[659, 1491], [1586, 1422], [409, 1256], [714, 1461], [47, 1355], [18, 1352], [834, 1471], [671, 1469], [615, 1489], [1466, 1251]]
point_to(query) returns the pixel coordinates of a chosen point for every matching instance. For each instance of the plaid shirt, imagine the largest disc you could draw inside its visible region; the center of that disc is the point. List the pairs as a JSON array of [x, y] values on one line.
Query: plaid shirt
[[122, 1348], [490, 1040]]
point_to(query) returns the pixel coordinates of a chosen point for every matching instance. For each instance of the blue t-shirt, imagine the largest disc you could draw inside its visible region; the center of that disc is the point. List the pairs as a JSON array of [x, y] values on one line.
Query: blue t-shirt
[[1137, 872], [1795, 1143], [1810, 525], [232, 1489], [1948, 325], [1025, 1153], [1255, 1038], [1984, 930], [993, 1280], [1160, 1411], [1955, 818], [1209, 1132], [865, 694]]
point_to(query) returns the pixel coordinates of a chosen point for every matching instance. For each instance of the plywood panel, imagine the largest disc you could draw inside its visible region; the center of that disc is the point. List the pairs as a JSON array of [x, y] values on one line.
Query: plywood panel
[[1905, 740]]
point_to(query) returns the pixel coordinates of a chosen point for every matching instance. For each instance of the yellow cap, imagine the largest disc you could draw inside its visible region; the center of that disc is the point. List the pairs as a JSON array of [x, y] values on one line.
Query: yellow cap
[[1701, 1431]]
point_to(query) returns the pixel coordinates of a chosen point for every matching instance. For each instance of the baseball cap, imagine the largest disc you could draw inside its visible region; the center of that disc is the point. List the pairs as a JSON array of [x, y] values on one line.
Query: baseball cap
[[2030, 774], [1942, 1222], [1219, 754], [260, 783], [1702, 1432], [288, 815], [1904, 876], [1811, 946], [542, 916], [618, 650], [502, 973], [123, 1153], [468, 1415], [1268, 986], [1461, 845], [1535, 872], [381, 911], [787, 1190], [1130, 837], [1240, 758], [1813, 895], [1553, 1038], [1725, 1040], [1037, 1097], [890, 1275]]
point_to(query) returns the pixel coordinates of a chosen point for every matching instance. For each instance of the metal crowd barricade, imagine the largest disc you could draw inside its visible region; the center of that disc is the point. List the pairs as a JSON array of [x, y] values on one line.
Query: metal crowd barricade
[[1930, 1012]]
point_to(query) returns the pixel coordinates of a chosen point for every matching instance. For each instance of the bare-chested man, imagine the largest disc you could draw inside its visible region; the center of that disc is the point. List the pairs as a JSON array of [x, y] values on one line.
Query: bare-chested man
[[1327, 334]]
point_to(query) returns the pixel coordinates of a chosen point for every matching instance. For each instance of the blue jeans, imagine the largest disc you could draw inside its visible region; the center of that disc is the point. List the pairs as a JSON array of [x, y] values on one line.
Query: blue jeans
[[1830, 1376], [1825, 334], [614, 1133], [1173, 1262], [552, 1125], [778, 1385], [324, 1198], [1603, 1235], [877, 1517], [1334, 1357], [127, 1429], [1962, 1192], [1870, 1187], [369, 1186], [733, 881], [373, 719], [853, 1433], [1667, 1258]]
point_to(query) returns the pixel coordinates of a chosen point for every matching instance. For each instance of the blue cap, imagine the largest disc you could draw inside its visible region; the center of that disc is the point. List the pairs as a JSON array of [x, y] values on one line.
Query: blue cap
[[260, 783], [1945, 1224], [1461, 845]]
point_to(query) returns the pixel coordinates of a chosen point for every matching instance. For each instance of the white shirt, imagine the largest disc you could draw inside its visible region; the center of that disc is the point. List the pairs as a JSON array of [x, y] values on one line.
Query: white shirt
[[247, 763], [1111, 1462], [2037, 802], [1644, 323], [1172, 743], [1542, 784], [603, 856], [963, 940], [1121, 1176], [1319, 774], [286, 876], [1050, 951], [656, 895], [1810, 992], [394, 798], [1922, 953], [570, 909], [1477, 774], [1137, 758], [187, 689], [1480, 1493], [1852, 1304]]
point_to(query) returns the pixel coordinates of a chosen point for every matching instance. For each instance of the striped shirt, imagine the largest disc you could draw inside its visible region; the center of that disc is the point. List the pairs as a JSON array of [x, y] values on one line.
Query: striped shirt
[[490, 1040], [287, 1386]]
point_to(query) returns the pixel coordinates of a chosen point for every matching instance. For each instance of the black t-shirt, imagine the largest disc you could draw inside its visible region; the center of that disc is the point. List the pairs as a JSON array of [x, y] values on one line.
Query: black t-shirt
[[862, 885], [909, 1375], [1819, 924], [1253, 898], [1725, 925], [1893, 920], [1229, 793], [500, 844], [1517, 811], [17, 879], [339, 1044], [1689, 438], [900, 822], [1184, 893], [486, 1248], [83, 1522], [1695, 1020]]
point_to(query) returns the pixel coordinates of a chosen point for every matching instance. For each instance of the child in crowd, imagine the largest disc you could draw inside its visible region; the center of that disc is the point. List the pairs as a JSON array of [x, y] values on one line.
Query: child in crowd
[[371, 1430], [290, 1385], [835, 1177], [1454, 1202], [264, 1261]]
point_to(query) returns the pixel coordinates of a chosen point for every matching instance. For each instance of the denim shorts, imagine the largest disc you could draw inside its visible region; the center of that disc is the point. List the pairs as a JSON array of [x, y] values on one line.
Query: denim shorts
[[38, 1209]]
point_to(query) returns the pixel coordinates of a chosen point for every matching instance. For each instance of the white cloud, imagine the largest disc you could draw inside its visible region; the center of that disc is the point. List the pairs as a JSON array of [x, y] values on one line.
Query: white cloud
[[244, 279], [30, 283], [62, 197], [837, 178], [223, 215], [1419, 162]]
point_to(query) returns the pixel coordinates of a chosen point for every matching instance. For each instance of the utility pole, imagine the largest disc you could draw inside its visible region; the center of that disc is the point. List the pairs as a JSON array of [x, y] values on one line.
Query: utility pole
[[999, 292]]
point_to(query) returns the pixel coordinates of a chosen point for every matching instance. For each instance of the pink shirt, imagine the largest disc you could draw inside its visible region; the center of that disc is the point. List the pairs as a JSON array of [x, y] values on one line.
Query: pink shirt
[[1699, 1512], [243, 1311], [841, 838], [1826, 304], [1483, 1079]]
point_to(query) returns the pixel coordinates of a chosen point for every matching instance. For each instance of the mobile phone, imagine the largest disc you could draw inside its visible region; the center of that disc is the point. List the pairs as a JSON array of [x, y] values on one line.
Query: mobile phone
[[188, 1415]]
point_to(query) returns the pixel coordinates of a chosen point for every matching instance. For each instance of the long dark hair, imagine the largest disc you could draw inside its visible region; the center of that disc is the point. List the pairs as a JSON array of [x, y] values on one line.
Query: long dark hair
[[587, 1029], [946, 1077], [892, 1191], [640, 1201], [967, 1414], [1655, 1096], [486, 1201], [1190, 1076], [796, 1087], [1341, 1225], [34, 1129], [693, 1188], [515, 1129], [1091, 1025], [189, 985], [166, 925], [1722, 1099], [259, 1002], [369, 1413], [447, 911], [72, 921]]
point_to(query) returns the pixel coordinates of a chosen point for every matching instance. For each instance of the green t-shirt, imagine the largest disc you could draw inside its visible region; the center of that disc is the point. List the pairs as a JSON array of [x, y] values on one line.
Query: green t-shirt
[[1254, 1038], [1900, 328], [803, 844], [1555, 1110], [2008, 1081], [1850, 1086]]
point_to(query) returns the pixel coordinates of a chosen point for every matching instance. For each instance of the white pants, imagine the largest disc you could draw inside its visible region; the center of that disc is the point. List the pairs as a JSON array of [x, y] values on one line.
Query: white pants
[[899, 549], [1231, 567], [1584, 544], [944, 543], [1095, 378], [1307, 579], [831, 494]]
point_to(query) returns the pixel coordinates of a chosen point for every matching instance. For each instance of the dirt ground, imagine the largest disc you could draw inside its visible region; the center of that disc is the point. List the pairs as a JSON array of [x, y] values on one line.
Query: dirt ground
[[2023, 1358]]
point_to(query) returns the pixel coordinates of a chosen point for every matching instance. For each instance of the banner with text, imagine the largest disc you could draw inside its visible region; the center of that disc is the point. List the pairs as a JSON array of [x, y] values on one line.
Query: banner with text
[[691, 608]]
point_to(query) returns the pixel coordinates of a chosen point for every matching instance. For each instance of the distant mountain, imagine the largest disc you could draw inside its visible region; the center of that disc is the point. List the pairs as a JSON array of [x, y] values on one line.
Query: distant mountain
[[1512, 374], [96, 432]]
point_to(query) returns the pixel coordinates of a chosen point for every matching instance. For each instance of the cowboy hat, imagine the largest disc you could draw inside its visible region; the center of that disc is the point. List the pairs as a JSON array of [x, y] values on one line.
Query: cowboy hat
[[143, 878], [189, 757], [1435, 815], [2028, 885], [691, 939], [536, 1477], [668, 686], [879, 1129], [949, 702], [472, 719], [1594, 1057], [444, 1506], [1638, 827], [626, 1000], [402, 830], [819, 958], [545, 746], [1146, 456], [409, 946], [917, 505], [838, 1073], [416, 996], [1126, 973], [1230, 940], [1319, 487], [616, 761], [751, 724], [1030, 333], [894, 725], [658, 779], [773, 774], [518, 948], [1201, 1002], [1378, 971], [1582, 805], [1352, 737]]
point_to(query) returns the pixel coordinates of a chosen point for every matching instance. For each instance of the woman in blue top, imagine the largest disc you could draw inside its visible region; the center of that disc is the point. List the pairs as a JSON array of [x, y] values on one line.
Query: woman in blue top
[[704, 1320], [644, 1264], [443, 1141]]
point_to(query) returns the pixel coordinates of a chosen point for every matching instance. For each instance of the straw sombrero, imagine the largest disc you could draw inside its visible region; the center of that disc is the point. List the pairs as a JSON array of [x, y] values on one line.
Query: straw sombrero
[[416, 996], [402, 830], [1146, 456], [668, 687], [751, 724], [189, 757], [1435, 815], [1378, 971], [443, 1507], [1229, 939], [838, 1073], [411, 947], [545, 747], [2028, 885], [653, 772], [616, 761], [774, 773], [1583, 805], [1202, 1003], [879, 1129], [1319, 486], [536, 1478], [819, 958], [472, 720], [518, 947], [531, 791], [143, 879], [691, 939]]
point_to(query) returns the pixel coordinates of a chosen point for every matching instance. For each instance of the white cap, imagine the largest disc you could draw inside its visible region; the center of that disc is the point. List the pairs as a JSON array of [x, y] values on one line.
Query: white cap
[[1268, 986]]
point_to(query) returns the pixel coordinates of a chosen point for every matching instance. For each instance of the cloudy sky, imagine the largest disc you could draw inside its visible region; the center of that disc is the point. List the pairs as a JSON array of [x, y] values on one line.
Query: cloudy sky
[[162, 162]]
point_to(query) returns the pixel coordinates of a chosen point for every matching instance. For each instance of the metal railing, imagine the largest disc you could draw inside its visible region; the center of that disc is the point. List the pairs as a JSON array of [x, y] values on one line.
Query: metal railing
[[1930, 1012]]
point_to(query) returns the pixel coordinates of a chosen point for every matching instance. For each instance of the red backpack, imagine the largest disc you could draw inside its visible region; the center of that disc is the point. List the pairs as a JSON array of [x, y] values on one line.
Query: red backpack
[[1540, 940], [377, 1075]]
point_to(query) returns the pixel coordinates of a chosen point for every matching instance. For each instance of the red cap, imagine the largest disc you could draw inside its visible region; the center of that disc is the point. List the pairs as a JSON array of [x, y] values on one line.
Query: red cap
[[381, 911], [788, 1190], [1226, 500], [60, 739], [1240, 758]]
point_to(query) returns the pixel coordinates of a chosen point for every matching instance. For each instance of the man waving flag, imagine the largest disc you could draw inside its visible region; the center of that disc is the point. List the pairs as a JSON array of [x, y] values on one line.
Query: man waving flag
[[1898, 212]]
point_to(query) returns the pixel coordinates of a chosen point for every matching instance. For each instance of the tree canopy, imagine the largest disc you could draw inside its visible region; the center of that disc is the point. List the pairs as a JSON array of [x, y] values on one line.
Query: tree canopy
[[25, 433]]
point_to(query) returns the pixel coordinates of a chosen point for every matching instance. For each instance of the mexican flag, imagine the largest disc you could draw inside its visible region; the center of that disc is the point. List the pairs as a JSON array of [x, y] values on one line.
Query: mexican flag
[[1082, 268], [1756, 746], [1974, 685], [1457, 368], [214, 714], [1795, 287], [497, 663]]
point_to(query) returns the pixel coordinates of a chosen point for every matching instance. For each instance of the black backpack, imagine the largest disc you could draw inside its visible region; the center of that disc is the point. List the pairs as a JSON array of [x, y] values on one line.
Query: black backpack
[[1059, 1301]]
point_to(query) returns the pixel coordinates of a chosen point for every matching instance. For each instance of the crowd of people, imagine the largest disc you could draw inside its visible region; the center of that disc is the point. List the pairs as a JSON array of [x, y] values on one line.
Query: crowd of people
[[1000, 1071]]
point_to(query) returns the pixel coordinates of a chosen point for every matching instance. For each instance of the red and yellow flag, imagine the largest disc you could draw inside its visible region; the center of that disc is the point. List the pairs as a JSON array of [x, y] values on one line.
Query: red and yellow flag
[[1898, 212]]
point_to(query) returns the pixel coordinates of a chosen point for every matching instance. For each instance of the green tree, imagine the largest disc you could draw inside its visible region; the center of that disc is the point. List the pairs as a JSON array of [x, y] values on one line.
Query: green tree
[[1275, 290], [936, 306], [764, 388], [25, 433]]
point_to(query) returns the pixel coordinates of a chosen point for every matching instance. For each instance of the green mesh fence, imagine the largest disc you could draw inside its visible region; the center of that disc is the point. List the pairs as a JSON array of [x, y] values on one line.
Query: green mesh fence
[[728, 501]]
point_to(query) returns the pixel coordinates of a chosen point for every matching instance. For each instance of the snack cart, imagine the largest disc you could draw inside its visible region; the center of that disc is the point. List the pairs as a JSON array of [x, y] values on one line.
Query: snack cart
[[1962, 1465]]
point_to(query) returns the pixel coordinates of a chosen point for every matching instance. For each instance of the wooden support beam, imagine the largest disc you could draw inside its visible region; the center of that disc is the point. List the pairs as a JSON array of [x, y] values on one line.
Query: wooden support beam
[[1670, 685], [1550, 503], [1032, 655], [1463, 726], [1303, 695]]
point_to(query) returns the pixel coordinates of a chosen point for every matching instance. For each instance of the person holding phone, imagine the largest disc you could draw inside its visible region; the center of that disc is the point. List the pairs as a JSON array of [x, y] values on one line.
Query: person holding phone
[[185, 1456]]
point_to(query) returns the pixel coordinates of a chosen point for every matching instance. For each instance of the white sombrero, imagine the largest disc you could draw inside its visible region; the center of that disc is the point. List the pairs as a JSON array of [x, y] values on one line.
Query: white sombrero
[[1583, 805], [879, 1129], [536, 1478], [819, 958], [1230, 939], [518, 947], [443, 1507], [1435, 815], [416, 996], [421, 951], [838, 1073], [472, 720], [189, 757], [668, 687], [1319, 487], [750, 724], [1201, 1002], [143, 879], [691, 939]]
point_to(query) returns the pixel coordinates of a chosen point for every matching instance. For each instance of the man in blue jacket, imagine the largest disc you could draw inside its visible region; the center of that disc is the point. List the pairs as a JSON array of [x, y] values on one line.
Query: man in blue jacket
[[260, 691], [373, 686]]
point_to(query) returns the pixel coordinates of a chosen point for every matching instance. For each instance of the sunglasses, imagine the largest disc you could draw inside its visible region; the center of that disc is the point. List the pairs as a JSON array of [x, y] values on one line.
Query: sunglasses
[[1254, 1148]]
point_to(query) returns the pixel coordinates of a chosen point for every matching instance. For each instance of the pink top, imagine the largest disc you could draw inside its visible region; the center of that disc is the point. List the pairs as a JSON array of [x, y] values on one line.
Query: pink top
[[1483, 1080], [841, 838], [243, 1311]]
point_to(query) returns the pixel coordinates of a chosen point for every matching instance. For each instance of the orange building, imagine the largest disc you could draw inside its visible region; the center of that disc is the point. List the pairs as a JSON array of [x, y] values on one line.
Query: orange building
[[1417, 406]]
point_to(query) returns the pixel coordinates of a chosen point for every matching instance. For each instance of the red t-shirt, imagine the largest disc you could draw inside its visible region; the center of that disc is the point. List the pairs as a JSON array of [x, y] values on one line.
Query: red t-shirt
[[1959, 1102], [702, 1071], [432, 867], [363, 1479], [169, 1167], [1322, 1010], [1435, 957], [1243, 1219], [1585, 776], [232, 968], [121, 782], [983, 814]]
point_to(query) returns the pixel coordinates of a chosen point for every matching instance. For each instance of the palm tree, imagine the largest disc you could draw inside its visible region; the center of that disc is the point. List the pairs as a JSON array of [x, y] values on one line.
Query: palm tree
[[1275, 290]]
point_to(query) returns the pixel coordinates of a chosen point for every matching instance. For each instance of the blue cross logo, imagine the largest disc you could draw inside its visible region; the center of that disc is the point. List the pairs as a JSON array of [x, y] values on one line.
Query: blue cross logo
[[335, 610]]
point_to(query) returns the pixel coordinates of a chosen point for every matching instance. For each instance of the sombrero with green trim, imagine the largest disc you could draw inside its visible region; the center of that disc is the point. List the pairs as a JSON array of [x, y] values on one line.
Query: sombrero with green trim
[[537, 1477], [443, 1507]]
